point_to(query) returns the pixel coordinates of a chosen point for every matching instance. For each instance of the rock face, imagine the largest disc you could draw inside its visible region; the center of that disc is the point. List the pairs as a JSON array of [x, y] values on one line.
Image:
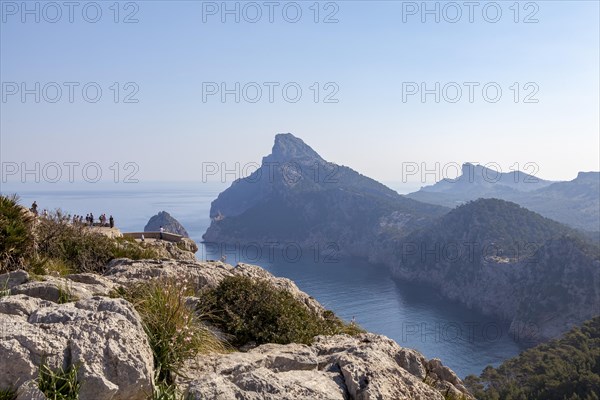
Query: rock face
[[336, 367], [169, 224], [297, 196], [103, 337]]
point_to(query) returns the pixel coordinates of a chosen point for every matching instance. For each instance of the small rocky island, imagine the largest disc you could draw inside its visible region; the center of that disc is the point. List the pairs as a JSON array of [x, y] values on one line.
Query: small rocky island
[[119, 320], [168, 223]]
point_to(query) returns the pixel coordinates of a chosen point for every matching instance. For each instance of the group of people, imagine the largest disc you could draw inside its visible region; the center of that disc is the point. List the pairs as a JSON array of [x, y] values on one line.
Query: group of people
[[79, 219], [89, 220]]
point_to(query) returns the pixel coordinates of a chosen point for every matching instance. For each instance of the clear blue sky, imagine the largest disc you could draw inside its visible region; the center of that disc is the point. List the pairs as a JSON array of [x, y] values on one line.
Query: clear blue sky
[[367, 54]]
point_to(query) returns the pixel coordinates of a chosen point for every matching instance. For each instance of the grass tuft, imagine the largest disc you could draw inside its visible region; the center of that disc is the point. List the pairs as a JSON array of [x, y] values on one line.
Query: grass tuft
[[65, 295], [60, 384], [174, 331], [162, 391], [4, 291], [8, 394]]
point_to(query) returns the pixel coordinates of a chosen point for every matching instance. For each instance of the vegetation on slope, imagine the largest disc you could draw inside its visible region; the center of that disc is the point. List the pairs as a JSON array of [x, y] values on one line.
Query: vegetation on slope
[[563, 369], [52, 244], [256, 311], [504, 225]]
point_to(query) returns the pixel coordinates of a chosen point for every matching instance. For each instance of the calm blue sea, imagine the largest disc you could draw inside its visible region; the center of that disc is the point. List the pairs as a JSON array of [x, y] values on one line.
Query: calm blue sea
[[412, 315]]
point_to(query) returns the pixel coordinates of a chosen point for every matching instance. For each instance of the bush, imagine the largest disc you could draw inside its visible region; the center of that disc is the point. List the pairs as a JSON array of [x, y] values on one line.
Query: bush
[[53, 245], [256, 311], [75, 245], [16, 234], [174, 331], [79, 249], [60, 384]]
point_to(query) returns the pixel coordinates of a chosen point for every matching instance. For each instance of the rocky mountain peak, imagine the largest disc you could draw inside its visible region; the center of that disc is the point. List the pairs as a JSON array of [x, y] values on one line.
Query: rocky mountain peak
[[288, 148]]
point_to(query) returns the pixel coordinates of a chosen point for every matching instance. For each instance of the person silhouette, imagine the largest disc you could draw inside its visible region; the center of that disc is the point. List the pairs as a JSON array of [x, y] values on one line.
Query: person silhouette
[[34, 207]]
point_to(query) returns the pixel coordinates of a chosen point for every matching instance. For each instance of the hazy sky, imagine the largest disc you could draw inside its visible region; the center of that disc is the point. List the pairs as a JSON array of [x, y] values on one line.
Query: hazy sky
[[178, 53]]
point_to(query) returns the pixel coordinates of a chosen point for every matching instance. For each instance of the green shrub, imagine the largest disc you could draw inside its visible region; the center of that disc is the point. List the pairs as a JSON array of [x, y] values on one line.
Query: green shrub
[[256, 311], [60, 384], [16, 234], [174, 331]]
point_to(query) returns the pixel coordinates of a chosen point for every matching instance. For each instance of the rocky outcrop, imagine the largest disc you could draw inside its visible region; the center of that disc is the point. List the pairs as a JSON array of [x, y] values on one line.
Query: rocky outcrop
[[100, 336], [112, 233], [104, 338], [61, 289], [334, 367], [185, 249], [168, 223]]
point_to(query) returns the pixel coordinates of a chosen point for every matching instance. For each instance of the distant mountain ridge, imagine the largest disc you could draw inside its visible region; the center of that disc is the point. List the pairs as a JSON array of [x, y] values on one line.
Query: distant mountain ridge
[[477, 178], [575, 203]]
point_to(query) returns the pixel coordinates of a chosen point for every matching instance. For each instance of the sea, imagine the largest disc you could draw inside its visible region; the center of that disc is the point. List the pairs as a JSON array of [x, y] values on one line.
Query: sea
[[414, 316]]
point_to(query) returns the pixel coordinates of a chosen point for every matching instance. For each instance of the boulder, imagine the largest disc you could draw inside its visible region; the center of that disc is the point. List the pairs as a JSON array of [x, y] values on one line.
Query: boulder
[[12, 279], [64, 289], [184, 250], [102, 337]]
